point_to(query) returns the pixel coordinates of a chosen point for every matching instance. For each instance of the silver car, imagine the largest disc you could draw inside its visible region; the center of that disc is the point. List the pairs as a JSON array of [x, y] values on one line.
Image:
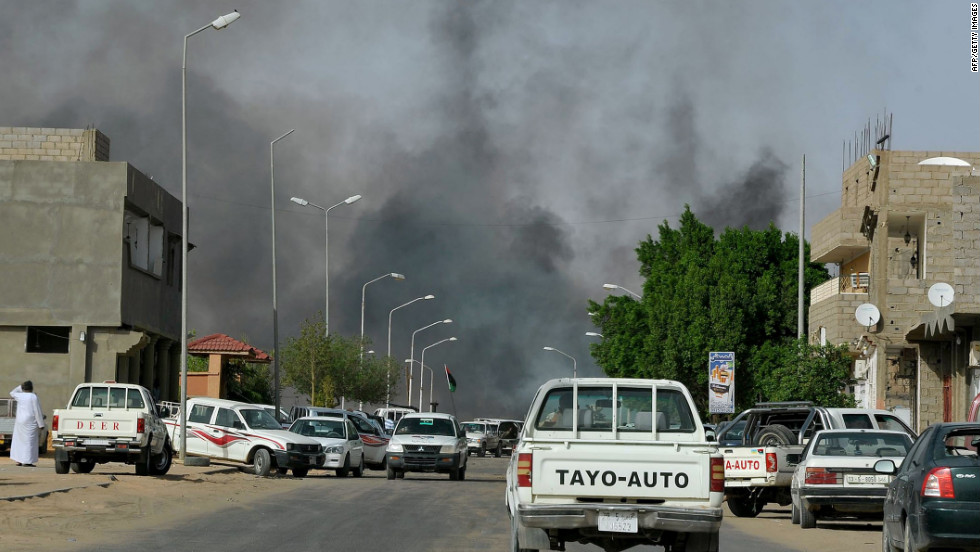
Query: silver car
[[427, 442]]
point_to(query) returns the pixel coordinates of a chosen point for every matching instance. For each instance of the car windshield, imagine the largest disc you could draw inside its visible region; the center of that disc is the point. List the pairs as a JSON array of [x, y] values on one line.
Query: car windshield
[[256, 418], [426, 426], [862, 444], [326, 428], [474, 428]]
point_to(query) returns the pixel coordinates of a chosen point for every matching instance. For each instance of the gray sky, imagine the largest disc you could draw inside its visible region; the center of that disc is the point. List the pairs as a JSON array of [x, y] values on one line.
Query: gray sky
[[511, 155]]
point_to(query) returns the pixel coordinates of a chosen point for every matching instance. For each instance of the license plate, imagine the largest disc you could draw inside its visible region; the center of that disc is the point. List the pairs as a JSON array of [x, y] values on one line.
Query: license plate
[[97, 442], [618, 522], [867, 479]]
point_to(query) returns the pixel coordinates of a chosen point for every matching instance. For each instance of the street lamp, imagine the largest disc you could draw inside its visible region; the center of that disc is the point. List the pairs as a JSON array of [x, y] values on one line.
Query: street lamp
[[219, 23], [410, 371], [611, 287], [388, 377], [394, 275], [326, 252], [574, 364], [275, 305], [422, 374], [431, 378], [594, 334]]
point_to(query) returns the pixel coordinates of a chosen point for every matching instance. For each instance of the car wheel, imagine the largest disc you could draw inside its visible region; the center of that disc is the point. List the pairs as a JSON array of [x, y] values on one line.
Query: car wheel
[[697, 542], [160, 463], [262, 463], [808, 518], [143, 463], [61, 466], [498, 451], [282, 471], [84, 466], [342, 472], [795, 516], [462, 473], [483, 450], [742, 505], [391, 473], [359, 470], [775, 435], [401, 474], [909, 543], [515, 545], [300, 472]]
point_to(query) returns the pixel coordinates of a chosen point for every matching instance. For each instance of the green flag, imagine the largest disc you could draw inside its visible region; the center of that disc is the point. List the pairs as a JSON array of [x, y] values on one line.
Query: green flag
[[450, 379]]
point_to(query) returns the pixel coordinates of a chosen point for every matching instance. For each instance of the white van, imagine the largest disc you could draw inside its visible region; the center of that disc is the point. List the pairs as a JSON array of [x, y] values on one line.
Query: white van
[[247, 433], [392, 414]]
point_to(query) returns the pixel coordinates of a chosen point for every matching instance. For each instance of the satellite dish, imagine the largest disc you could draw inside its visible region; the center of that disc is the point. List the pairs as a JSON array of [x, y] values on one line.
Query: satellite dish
[[947, 161], [941, 294], [867, 315]]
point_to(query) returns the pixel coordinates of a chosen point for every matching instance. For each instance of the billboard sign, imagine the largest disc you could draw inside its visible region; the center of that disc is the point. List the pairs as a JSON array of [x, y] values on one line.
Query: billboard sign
[[721, 383]]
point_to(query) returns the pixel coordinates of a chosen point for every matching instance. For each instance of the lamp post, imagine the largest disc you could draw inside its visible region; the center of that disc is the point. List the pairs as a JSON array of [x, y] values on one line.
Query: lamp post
[[275, 304], [326, 252], [611, 287], [422, 374], [574, 364], [410, 371], [431, 379], [218, 24], [394, 275], [388, 377]]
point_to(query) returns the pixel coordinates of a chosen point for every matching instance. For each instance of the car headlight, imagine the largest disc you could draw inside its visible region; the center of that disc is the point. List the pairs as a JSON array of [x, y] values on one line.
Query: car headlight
[[448, 449], [292, 446], [334, 450], [394, 447]]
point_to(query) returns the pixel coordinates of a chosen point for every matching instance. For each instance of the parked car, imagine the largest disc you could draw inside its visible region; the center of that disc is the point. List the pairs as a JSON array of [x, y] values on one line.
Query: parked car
[[934, 500], [241, 432], [8, 418], [510, 434], [392, 413], [835, 476], [427, 442], [342, 446], [482, 436], [283, 417], [375, 439]]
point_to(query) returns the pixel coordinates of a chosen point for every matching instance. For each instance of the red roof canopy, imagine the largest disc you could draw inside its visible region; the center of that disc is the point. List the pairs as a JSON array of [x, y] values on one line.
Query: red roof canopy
[[222, 344]]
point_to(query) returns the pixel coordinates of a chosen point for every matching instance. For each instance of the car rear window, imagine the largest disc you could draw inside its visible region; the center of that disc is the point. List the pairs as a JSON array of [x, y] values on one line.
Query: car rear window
[[634, 410], [959, 442], [862, 444]]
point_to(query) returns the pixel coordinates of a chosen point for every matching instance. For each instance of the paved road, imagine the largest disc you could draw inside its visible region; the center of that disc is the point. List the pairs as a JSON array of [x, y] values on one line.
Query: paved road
[[424, 513]]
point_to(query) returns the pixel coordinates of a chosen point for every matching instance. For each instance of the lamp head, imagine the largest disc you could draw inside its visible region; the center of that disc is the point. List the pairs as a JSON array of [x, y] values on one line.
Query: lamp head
[[452, 339], [610, 286], [430, 296], [397, 276], [352, 199], [225, 20], [299, 201], [447, 321], [549, 348]]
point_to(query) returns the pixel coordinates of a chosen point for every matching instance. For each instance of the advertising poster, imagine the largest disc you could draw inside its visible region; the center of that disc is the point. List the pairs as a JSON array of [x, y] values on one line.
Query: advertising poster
[[721, 383]]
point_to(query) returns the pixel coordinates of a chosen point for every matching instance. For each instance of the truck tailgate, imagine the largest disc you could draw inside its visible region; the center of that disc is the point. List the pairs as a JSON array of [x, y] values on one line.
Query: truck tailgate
[[652, 470], [744, 462], [104, 423]]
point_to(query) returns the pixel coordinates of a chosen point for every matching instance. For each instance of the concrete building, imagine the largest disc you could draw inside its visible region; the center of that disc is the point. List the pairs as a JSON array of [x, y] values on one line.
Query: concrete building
[[903, 227], [89, 267]]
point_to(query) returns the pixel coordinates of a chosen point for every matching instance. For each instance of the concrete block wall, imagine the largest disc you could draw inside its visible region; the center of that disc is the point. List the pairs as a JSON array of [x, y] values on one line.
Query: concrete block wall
[[53, 144]]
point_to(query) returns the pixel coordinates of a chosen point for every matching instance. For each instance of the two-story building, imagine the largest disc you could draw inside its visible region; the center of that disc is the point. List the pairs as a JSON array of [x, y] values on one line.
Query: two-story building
[[908, 220], [90, 254]]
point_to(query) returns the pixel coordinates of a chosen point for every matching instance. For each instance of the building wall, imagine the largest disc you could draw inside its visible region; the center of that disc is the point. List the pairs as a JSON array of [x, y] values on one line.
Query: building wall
[[53, 144]]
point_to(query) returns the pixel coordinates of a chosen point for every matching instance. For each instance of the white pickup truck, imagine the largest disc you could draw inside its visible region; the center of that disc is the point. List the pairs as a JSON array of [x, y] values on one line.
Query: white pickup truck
[[615, 463], [110, 422], [759, 464]]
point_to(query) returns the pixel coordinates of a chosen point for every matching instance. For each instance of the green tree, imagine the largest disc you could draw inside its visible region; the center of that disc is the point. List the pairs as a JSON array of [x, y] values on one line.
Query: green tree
[[330, 367], [701, 294]]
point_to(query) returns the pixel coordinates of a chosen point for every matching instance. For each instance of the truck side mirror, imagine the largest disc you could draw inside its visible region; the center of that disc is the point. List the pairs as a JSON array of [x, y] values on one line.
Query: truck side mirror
[[164, 412], [794, 458]]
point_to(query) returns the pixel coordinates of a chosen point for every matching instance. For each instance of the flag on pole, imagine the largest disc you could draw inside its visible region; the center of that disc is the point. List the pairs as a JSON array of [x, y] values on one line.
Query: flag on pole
[[450, 379]]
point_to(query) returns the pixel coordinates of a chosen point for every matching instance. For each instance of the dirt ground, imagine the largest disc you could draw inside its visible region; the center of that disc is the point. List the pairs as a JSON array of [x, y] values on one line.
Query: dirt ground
[[112, 499]]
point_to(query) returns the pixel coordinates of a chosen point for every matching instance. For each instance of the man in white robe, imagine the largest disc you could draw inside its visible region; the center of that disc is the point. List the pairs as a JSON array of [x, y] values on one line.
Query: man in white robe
[[30, 420]]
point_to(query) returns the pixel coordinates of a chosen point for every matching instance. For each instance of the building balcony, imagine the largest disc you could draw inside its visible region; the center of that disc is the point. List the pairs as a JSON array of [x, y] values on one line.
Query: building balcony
[[832, 307], [838, 238]]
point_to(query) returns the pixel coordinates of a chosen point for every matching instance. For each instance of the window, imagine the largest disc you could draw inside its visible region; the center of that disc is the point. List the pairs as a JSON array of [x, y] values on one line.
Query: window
[[857, 421], [226, 418], [145, 242], [200, 414], [351, 431], [82, 397], [47, 339], [100, 397], [634, 410], [893, 423], [426, 426]]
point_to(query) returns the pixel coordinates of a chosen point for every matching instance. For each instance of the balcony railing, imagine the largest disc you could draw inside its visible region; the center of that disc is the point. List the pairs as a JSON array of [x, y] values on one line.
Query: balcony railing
[[851, 284]]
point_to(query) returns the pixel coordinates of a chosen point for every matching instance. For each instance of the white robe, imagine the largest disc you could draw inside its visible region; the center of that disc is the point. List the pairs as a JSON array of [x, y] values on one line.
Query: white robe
[[30, 420]]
